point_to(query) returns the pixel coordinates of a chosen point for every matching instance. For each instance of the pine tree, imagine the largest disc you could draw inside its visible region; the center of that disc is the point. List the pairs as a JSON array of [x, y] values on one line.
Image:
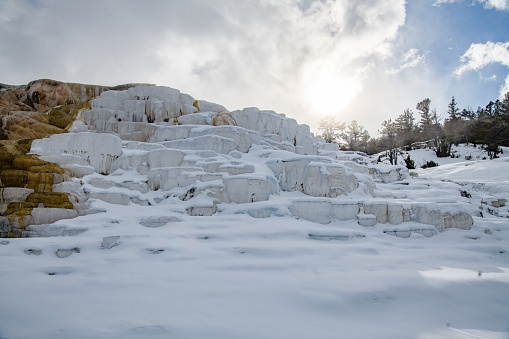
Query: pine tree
[[405, 128], [389, 140], [453, 109], [504, 115], [425, 125]]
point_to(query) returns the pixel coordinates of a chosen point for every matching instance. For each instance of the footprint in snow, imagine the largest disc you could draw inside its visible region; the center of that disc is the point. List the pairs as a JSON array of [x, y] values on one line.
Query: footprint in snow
[[64, 253], [155, 250], [31, 251]]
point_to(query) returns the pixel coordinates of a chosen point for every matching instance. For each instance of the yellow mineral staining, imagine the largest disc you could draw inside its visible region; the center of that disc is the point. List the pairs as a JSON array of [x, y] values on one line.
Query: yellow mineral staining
[[19, 208], [12, 147], [18, 221], [224, 118], [14, 100], [63, 116], [6, 159], [37, 110], [28, 171], [42, 108], [28, 125], [46, 93], [40, 182], [52, 200], [13, 178]]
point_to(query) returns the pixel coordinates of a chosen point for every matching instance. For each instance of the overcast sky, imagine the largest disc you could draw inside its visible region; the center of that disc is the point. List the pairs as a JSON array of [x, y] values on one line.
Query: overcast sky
[[366, 60]]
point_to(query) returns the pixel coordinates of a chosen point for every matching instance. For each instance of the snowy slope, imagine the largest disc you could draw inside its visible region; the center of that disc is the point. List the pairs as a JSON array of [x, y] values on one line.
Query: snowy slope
[[291, 264], [461, 153], [233, 276]]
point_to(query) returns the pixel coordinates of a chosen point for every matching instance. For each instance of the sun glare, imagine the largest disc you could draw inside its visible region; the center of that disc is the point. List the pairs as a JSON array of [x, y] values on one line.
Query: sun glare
[[330, 94]]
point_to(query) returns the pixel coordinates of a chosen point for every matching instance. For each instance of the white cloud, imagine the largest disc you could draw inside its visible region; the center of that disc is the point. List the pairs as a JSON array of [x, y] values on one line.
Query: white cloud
[[479, 56], [410, 59], [501, 5], [493, 77], [267, 53], [440, 2], [505, 88]]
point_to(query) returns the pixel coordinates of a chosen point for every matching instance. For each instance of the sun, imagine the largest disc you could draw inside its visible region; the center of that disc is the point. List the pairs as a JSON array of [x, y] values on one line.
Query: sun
[[330, 94]]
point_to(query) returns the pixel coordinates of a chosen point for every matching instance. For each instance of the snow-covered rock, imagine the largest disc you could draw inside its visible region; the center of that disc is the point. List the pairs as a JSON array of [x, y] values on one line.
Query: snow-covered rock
[[99, 150], [50, 215], [214, 143], [366, 220], [183, 211], [206, 106], [244, 189], [314, 176], [14, 194], [154, 143], [324, 211], [112, 198]]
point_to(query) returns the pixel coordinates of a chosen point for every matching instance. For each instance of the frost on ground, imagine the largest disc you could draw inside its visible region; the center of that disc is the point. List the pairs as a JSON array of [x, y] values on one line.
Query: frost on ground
[[253, 229]]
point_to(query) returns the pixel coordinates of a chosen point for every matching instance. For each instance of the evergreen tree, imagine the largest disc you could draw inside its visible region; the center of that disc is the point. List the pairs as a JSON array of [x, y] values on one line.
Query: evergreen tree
[[453, 109], [425, 125], [505, 107], [405, 128], [493, 128], [365, 142], [467, 114], [454, 126], [389, 140], [504, 114]]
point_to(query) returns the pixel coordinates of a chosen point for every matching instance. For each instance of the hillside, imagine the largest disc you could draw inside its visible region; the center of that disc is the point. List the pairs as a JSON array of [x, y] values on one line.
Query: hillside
[[150, 213]]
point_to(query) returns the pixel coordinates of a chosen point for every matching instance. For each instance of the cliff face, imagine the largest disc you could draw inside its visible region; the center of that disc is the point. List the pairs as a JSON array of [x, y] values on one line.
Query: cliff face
[[33, 111], [144, 145], [41, 108]]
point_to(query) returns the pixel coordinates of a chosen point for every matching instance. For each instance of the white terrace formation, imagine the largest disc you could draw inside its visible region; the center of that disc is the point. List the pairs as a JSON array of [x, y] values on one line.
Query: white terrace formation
[[153, 145]]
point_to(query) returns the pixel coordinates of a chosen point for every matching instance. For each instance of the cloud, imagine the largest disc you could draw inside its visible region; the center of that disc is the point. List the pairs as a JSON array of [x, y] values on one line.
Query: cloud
[[438, 3], [269, 53], [505, 88], [501, 5], [410, 59], [493, 77], [479, 56]]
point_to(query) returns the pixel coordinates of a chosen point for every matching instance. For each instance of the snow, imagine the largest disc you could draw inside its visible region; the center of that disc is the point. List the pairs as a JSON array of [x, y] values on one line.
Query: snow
[[162, 251], [235, 276]]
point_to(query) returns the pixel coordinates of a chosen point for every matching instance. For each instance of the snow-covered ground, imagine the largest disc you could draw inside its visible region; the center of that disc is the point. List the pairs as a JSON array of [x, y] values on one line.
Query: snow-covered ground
[[234, 276], [462, 153], [281, 252]]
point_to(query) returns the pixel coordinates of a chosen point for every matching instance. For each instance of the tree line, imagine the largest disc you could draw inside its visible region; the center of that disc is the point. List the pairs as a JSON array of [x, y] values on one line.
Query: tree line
[[488, 126]]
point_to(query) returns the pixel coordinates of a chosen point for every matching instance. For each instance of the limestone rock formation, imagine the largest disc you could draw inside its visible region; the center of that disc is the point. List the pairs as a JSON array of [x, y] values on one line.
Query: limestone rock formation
[[147, 145], [31, 189]]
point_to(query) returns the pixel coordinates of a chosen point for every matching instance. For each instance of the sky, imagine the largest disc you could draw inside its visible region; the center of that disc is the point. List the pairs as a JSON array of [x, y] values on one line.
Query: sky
[[367, 60]]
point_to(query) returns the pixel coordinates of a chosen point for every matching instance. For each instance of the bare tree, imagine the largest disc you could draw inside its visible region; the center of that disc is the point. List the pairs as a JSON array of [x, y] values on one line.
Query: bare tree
[[389, 140], [331, 129], [354, 135]]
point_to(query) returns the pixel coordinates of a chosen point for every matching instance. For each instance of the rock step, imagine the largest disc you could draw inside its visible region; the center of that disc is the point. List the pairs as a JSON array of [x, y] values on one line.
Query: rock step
[[325, 211]]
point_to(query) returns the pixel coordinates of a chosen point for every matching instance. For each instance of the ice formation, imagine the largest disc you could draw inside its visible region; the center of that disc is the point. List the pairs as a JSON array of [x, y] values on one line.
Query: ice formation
[[147, 144]]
